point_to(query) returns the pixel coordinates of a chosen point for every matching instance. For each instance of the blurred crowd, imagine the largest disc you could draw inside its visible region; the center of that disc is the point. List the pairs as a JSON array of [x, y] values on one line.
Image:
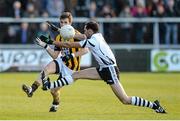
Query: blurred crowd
[[128, 32]]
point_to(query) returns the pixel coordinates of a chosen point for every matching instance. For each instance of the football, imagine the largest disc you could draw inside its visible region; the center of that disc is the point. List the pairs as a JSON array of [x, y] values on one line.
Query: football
[[67, 32]]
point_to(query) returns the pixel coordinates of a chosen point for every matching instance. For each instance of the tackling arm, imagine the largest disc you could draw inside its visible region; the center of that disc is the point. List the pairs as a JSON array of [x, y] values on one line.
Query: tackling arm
[[67, 44], [79, 36], [83, 51], [52, 53]]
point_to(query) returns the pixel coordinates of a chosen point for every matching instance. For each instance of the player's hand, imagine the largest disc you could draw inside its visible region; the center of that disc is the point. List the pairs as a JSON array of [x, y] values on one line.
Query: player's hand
[[52, 26], [45, 39], [40, 43], [66, 58]]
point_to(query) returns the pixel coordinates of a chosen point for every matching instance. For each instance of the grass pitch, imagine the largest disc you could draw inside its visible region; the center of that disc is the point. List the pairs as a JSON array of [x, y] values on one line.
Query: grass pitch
[[88, 99]]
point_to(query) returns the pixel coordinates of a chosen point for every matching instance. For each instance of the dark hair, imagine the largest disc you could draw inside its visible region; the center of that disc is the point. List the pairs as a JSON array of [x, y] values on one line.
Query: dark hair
[[67, 15], [92, 25]]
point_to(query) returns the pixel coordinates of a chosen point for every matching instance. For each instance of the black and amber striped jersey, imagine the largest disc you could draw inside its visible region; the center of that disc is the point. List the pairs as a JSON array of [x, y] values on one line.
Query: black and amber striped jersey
[[73, 64]]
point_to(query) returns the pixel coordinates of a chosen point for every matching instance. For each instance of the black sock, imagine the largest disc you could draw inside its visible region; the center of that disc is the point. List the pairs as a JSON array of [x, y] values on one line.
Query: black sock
[[55, 103], [34, 87]]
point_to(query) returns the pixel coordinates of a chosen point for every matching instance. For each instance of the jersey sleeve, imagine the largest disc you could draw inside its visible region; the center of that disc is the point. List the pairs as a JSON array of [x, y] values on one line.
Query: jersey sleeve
[[89, 43], [83, 43]]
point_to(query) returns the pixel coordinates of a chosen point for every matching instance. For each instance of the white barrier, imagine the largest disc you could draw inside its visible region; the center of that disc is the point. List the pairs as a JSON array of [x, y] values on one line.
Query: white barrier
[[165, 60], [29, 59]]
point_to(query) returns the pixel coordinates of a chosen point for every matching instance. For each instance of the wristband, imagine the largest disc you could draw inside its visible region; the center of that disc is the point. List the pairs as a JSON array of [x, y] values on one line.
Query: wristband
[[46, 46]]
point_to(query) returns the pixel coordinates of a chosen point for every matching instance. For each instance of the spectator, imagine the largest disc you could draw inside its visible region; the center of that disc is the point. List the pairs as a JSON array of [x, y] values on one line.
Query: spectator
[[171, 28], [24, 34], [139, 28], [162, 26], [17, 9], [2, 8], [39, 5], [44, 30], [31, 12], [107, 12], [55, 7], [10, 36], [93, 9], [126, 27], [81, 9], [44, 14], [177, 7], [153, 7]]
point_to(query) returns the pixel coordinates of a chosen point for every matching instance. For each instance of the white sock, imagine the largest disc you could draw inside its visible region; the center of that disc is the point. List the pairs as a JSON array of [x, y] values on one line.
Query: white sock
[[67, 80]]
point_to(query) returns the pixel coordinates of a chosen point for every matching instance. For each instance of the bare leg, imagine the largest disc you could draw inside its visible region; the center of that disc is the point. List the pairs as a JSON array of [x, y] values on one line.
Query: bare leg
[[55, 94], [49, 69], [132, 100], [120, 93], [117, 88], [90, 73], [56, 99]]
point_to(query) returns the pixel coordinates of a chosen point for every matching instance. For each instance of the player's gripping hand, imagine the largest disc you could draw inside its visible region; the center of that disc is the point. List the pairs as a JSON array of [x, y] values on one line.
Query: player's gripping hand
[[52, 26], [66, 58], [45, 39], [40, 43]]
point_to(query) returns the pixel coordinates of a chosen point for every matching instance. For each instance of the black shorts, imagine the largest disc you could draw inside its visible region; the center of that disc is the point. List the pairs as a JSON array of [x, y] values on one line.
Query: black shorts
[[109, 74]]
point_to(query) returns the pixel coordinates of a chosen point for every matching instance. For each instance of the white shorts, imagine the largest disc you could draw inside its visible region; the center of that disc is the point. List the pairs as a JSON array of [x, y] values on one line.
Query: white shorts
[[61, 68]]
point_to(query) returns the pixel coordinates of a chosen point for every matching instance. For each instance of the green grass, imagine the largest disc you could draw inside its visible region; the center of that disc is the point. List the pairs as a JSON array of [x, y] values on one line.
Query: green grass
[[87, 99]]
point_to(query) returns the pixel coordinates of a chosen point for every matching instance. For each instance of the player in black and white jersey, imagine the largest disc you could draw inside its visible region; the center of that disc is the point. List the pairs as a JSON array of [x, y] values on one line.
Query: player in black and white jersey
[[107, 70]]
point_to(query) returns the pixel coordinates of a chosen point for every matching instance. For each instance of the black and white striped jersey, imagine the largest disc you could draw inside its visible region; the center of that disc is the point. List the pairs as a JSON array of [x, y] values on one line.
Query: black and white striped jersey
[[100, 49]]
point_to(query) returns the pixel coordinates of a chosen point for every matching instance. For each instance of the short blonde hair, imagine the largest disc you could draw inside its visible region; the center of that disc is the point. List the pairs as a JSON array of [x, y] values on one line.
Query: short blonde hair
[[67, 15]]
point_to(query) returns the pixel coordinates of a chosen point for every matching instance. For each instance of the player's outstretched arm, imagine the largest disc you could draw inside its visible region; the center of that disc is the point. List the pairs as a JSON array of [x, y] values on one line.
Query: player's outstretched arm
[[67, 44], [51, 52], [80, 36], [81, 52], [59, 44], [45, 39], [52, 26], [40, 43]]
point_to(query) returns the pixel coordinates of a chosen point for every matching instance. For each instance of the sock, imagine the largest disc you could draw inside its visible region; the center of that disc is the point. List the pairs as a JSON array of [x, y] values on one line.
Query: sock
[[142, 102], [34, 86], [55, 103], [67, 80], [56, 98]]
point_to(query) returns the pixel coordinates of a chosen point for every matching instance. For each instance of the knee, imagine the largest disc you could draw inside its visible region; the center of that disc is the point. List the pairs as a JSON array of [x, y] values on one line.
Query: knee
[[46, 71]]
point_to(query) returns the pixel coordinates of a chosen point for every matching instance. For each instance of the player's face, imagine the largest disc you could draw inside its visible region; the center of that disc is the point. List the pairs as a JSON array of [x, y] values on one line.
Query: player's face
[[64, 22], [88, 32]]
